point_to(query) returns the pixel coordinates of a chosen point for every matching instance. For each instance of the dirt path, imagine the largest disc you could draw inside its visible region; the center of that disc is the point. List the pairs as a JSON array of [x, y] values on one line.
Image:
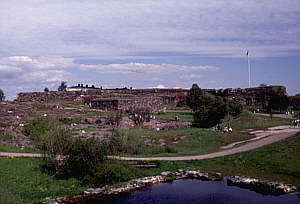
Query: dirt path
[[276, 136], [11, 154], [276, 115]]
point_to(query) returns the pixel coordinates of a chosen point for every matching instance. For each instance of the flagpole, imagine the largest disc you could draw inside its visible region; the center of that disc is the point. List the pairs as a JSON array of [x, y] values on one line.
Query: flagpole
[[248, 69]]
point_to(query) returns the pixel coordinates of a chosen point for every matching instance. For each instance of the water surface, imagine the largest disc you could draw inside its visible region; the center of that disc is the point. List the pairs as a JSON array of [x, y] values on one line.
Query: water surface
[[196, 191]]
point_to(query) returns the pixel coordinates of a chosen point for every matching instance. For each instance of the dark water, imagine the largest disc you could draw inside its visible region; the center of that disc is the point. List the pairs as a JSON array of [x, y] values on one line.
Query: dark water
[[196, 191]]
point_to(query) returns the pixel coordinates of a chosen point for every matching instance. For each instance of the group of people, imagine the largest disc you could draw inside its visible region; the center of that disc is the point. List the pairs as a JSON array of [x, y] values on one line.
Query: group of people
[[295, 123], [226, 128]]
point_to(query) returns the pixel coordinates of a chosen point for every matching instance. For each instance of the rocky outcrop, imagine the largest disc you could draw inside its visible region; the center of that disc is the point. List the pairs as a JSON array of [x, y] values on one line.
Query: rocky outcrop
[[261, 186]]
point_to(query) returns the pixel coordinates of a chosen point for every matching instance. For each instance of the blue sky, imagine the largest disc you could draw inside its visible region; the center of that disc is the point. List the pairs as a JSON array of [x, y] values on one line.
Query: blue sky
[[149, 43]]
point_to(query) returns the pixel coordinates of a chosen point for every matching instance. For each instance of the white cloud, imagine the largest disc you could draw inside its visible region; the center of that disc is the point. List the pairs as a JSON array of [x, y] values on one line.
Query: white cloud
[[145, 68], [160, 86], [117, 28], [35, 73], [190, 76], [23, 73]]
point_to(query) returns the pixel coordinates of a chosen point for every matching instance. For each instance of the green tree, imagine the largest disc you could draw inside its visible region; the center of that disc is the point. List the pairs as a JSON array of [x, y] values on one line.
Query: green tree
[[278, 101], [208, 109], [210, 112], [46, 90], [2, 96], [235, 107], [193, 96], [63, 86]]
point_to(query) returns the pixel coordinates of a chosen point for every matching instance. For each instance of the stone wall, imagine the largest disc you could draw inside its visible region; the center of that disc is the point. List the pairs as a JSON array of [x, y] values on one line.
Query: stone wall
[[155, 105], [47, 96], [146, 97]]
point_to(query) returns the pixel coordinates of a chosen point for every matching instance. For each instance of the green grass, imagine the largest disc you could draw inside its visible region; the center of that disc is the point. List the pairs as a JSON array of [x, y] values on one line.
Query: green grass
[[6, 137], [248, 120], [197, 140], [276, 162], [22, 181], [183, 115], [9, 148]]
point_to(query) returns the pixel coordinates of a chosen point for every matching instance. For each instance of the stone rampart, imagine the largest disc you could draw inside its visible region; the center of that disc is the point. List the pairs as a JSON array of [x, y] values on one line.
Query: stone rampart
[[48, 96]]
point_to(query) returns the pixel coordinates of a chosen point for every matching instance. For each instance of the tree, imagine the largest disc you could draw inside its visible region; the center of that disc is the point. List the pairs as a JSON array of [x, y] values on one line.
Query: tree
[[208, 109], [46, 90], [2, 96], [235, 108], [193, 95], [63, 86], [278, 100], [263, 85]]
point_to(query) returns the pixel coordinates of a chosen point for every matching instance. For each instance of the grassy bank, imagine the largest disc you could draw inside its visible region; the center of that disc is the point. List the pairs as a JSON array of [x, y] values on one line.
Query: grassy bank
[[10, 148], [22, 181], [181, 141], [276, 162], [191, 141]]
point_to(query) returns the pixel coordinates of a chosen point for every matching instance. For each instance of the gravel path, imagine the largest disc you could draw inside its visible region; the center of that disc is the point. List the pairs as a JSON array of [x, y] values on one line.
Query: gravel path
[[11, 154], [276, 136]]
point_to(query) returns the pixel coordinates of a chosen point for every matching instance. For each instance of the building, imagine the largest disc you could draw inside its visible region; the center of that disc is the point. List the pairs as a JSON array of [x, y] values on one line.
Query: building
[[82, 88]]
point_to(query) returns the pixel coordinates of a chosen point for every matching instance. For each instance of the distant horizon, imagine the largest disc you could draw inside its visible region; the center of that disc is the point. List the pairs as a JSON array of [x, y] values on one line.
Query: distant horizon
[[134, 88]]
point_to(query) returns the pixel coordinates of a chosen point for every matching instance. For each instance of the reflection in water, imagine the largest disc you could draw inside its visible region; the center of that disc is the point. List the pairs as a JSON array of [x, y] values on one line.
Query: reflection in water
[[196, 191]]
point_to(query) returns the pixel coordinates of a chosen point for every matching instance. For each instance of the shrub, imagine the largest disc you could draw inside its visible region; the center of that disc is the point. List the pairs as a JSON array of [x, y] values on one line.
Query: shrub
[[36, 129], [69, 121], [140, 115], [109, 172], [64, 155], [81, 158], [235, 108], [6, 137], [181, 104], [114, 119]]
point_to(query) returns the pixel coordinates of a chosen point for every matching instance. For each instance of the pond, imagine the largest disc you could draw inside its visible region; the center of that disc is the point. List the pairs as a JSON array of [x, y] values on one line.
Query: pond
[[197, 191]]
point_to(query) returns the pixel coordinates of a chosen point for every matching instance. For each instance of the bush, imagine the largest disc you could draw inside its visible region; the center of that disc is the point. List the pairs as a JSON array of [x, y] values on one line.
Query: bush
[[64, 155], [6, 137], [140, 115], [235, 108], [114, 119], [36, 129], [69, 121], [110, 172], [98, 121], [181, 104], [81, 158]]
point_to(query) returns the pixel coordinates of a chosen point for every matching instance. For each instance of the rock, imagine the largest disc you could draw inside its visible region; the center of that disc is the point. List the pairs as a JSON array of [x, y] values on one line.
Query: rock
[[99, 190], [263, 186], [165, 173]]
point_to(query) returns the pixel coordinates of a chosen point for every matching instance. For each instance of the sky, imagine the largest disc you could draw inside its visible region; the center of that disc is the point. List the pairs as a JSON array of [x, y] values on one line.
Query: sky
[[148, 43]]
